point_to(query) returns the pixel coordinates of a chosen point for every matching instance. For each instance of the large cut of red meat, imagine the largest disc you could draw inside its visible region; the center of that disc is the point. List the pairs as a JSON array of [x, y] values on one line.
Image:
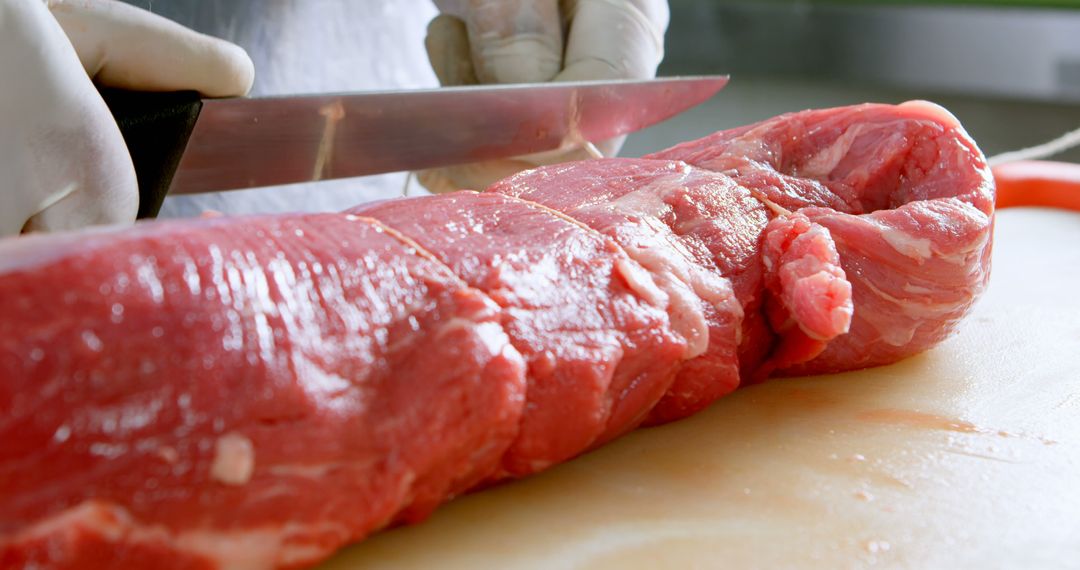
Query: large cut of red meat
[[257, 392]]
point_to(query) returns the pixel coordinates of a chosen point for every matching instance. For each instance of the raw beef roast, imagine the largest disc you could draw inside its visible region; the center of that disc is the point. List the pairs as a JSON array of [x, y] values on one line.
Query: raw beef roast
[[257, 392]]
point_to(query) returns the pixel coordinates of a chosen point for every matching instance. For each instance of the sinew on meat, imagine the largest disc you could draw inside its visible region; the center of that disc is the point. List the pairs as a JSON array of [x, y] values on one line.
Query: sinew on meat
[[257, 392]]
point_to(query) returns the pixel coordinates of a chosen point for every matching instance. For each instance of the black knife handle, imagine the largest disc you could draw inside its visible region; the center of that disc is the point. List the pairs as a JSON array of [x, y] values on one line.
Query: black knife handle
[[156, 128]]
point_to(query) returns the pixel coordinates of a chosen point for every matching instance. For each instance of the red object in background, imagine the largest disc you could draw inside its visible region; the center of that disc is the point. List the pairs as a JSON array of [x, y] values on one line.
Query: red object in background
[[1038, 183]]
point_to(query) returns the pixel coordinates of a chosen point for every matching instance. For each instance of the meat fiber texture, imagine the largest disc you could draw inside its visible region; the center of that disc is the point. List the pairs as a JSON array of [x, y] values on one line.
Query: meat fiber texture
[[256, 392]]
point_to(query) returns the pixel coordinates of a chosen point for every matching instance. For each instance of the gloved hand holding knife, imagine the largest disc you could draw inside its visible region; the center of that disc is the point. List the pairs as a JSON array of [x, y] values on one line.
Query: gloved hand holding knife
[[63, 161]]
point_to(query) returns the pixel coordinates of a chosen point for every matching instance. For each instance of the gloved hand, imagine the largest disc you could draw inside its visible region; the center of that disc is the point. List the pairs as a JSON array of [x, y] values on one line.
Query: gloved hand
[[63, 162], [522, 41]]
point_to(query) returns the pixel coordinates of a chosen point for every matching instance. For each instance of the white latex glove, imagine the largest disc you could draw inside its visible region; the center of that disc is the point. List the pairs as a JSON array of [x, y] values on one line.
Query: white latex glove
[[63, 162], [522, 41]]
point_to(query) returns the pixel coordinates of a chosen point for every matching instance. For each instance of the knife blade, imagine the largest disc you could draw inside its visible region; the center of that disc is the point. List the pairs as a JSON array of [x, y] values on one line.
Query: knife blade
[[183, 145]]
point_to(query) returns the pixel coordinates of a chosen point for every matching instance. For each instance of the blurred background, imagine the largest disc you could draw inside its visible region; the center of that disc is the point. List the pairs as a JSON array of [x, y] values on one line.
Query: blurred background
[[1009, 70]]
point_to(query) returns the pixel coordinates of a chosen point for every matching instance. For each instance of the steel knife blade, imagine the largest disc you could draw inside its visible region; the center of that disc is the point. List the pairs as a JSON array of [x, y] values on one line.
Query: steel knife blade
[[254, 142]]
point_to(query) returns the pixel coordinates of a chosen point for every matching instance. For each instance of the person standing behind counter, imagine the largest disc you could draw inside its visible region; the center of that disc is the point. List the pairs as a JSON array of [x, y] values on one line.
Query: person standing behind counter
[[63, 162]]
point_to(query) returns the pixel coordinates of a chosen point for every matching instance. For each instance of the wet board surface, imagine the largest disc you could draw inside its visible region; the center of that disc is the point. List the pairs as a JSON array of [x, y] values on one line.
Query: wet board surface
[[966, 456]]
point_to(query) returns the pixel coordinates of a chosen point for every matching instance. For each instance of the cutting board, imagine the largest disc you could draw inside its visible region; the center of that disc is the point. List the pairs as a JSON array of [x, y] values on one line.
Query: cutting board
[[967, 456]]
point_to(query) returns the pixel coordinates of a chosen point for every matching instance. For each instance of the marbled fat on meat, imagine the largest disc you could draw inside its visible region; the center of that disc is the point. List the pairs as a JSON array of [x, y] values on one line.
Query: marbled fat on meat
[[258, 392]]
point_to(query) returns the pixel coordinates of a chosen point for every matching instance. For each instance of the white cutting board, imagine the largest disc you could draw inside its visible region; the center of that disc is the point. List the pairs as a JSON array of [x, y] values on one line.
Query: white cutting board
[[965, 457]]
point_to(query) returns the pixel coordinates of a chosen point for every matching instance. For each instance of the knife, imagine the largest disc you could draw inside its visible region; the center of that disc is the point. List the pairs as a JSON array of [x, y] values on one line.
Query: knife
[[182, 144]]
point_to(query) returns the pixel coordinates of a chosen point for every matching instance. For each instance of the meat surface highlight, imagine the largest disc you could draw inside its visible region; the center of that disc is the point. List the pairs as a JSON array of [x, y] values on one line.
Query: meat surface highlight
[[257, 392]]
